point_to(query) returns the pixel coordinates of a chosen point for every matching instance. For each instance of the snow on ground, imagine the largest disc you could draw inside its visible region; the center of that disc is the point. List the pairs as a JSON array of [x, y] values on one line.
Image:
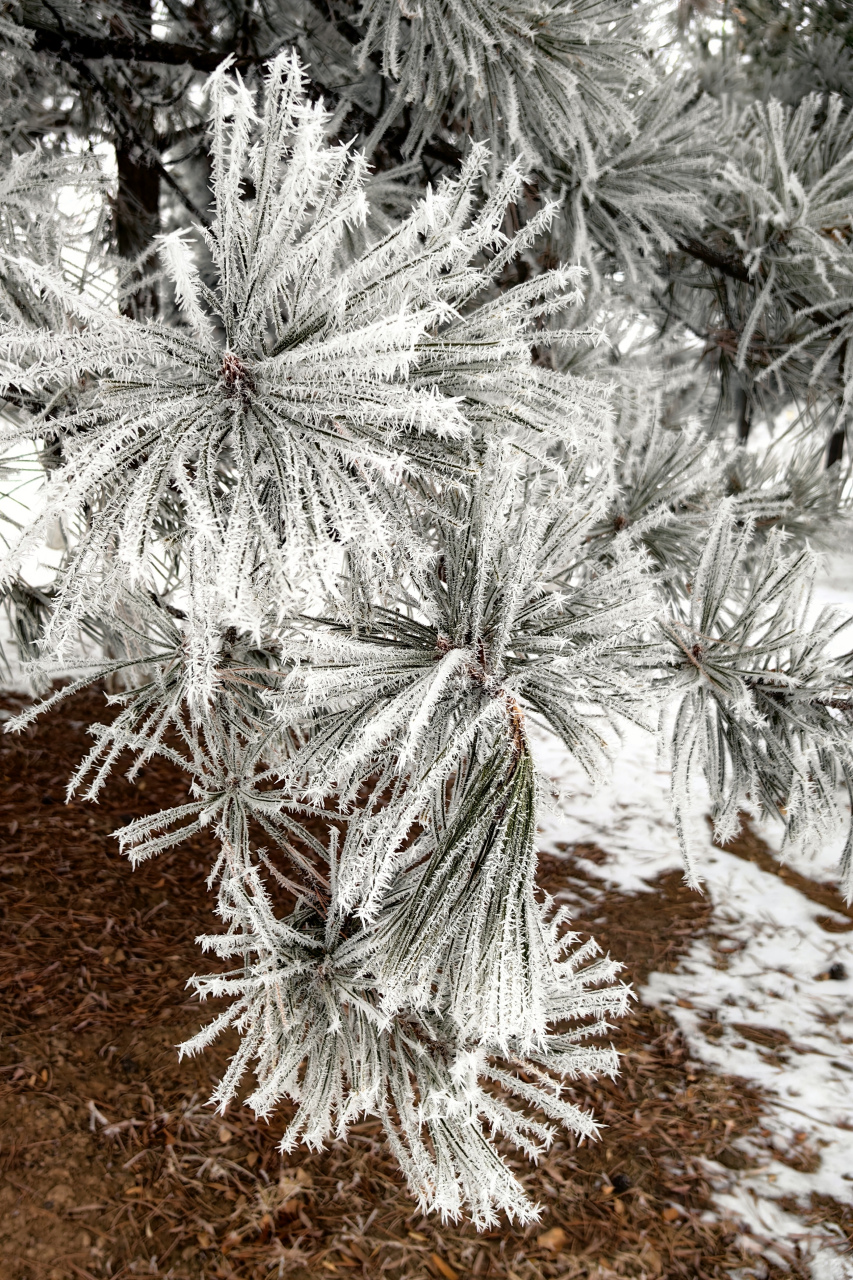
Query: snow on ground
[[759, 982], [752, 996]]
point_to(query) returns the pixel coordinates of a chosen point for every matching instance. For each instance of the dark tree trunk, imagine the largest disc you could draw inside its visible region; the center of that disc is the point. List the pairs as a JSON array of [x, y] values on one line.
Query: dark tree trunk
[[137, 205], [744, 415], [835, 451]]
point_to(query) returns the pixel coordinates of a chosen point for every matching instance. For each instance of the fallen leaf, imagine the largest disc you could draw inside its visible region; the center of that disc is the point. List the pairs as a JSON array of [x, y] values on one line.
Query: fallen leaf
[[670, 1214], [443, 1267], [224, 1134], [204, 1240], [58, 1195], [652, 1260], [556, 1239]]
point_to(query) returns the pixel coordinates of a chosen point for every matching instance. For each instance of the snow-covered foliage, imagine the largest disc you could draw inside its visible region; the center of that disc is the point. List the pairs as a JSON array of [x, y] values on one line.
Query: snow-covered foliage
[[780, 223], [639, 188], [34, 228], [757, 692], [289, 517], [543, 76], [371, 501]]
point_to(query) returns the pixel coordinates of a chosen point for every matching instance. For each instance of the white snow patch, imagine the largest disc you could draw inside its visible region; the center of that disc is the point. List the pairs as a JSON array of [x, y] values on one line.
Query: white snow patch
[[629, 816], [766, 935]]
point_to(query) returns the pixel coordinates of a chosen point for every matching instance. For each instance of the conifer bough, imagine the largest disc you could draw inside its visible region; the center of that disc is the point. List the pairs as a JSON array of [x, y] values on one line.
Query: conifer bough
[[366, 506]]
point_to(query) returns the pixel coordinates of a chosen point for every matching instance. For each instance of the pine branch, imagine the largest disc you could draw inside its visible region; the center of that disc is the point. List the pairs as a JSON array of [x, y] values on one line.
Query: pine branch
[[356, 513], [76, 46], [731, 265]]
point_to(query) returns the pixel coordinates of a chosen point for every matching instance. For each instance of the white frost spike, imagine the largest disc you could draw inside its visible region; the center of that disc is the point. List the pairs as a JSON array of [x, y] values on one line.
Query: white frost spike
[[184, 275]]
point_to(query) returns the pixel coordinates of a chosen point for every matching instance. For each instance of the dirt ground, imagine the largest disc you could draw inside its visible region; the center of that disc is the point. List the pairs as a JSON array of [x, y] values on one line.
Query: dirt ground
[[111, 1164]]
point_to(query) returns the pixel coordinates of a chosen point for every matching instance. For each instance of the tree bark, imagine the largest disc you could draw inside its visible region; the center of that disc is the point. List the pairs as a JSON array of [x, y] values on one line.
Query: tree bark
[[744, 415], [136, 213], [835, 451]]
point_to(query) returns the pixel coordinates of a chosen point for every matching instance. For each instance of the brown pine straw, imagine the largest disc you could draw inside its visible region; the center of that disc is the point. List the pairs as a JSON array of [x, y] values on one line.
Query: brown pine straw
[[112, 1165]]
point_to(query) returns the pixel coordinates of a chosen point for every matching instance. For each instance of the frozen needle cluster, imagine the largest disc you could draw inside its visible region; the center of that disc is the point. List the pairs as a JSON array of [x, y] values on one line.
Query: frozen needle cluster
[[340, 525]]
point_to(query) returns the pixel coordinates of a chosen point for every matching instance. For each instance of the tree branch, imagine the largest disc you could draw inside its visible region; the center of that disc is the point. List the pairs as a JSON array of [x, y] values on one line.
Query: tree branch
[[74, 45], [721, 262]]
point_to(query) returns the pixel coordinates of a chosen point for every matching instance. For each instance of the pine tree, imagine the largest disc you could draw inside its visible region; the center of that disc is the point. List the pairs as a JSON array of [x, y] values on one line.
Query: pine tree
[[355, 489]]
